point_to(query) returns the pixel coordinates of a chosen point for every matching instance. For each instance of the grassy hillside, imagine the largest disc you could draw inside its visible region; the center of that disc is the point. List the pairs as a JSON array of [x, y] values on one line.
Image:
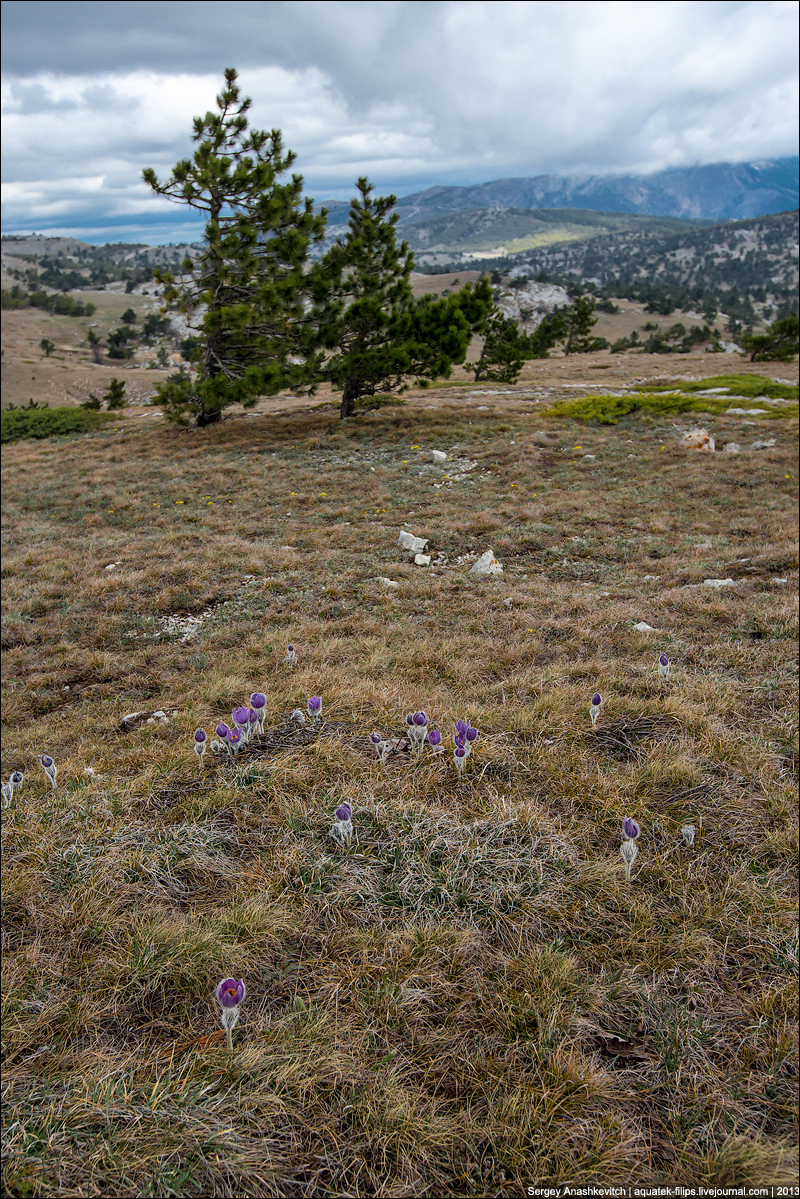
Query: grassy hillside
[[505, 231], [469, 998], [749, 268]]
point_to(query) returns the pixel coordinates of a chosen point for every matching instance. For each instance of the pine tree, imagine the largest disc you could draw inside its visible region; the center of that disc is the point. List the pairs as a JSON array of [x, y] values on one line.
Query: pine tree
[[245, 291], [506, 349], [579, 321], [778, 344], [503, 353], [376, 334]]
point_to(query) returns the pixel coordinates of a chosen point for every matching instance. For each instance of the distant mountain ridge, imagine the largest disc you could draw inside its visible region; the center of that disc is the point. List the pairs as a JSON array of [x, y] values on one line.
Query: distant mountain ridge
[[719, 191]]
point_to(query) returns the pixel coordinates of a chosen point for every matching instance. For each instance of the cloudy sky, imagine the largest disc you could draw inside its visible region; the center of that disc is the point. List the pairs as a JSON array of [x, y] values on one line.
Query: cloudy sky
[[413, 93]]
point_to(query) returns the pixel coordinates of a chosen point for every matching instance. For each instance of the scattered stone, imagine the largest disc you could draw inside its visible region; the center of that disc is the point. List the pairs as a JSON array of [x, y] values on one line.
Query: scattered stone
[[650, 578], [733, 447], [486, 565], [438, 455], [186, 627], [699, 439], [417, 545], [422, 559], [744, 411], [387, 582], [778, 582], [589, 455], [718, 583], [643, 627], [508, 603], [135, 720], [112, 566], [765, 445]]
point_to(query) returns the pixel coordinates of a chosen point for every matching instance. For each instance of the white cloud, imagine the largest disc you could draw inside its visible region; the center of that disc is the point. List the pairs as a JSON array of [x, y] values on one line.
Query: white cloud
[[412, 93]]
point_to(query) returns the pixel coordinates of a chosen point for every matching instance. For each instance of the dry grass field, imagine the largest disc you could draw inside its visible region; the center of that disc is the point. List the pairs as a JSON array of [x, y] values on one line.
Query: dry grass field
[[469, 999]]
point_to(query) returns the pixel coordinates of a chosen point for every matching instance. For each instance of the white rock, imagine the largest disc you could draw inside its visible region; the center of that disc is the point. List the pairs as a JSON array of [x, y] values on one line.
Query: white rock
[[699, 439], [508, 603], [589, 455], [417, 545], [487, 564], [643, 627], [765, 445], [733, 447], [111, 566], [718, 583], [438, 455], [778, 582], [743, 411], [422, 559], [387, 582]]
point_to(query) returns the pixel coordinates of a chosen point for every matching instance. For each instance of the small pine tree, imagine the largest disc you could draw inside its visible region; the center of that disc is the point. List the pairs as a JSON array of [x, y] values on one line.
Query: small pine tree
[[46, 346], [366, 317], [506, 349], [115, 395], [129, 316], [778, 344], [503, 353], [94, 343], [579, 320]]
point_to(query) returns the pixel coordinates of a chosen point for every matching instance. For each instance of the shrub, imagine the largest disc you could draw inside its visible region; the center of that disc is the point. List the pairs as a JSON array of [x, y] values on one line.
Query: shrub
[[37, 423]]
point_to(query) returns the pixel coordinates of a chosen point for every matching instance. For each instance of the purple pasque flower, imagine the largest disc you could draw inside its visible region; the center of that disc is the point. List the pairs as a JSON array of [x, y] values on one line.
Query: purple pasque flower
[[435, 741], [241, 718], [471, 734], [15, 781], [230, 994], [253, 722], [258, 701], [594, 708], [291, 656], [200, 744], [663, 666], [417, 730], [460, 755], [49, 767], [235, 739], [342, 830], [314, 707], [630, 829], [381, 746], [222, 731], [461, 727]]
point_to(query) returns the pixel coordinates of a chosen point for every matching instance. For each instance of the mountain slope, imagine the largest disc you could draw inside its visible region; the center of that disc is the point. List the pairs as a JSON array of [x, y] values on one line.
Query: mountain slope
[[718, 191], [510, 230]]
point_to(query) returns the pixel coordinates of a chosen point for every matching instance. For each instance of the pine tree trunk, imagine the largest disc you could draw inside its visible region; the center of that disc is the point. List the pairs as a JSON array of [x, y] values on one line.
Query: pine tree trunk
[[349, 397], [207, 418]]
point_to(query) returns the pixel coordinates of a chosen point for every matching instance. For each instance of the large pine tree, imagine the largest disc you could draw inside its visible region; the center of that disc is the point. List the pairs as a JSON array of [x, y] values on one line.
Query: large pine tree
[[245, 292]]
